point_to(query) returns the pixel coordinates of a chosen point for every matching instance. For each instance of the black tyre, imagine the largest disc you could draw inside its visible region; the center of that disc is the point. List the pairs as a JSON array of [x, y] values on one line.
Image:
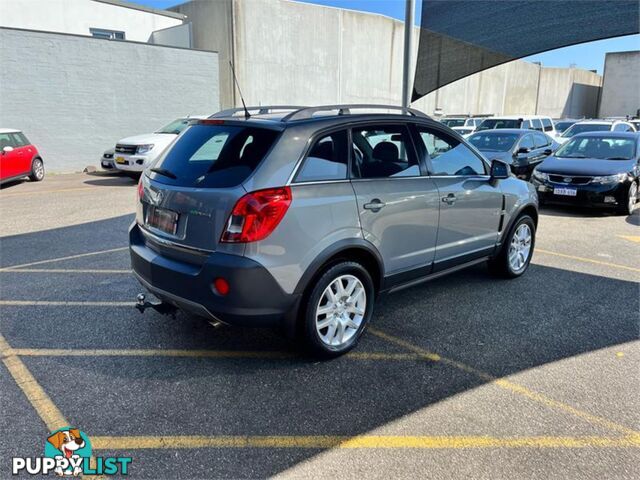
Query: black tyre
[[631, 199], [37, 170], [517, 249], [337, 310]]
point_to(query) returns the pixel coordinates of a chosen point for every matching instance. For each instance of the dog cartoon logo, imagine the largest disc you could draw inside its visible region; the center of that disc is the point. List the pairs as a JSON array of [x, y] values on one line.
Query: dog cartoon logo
[[71, 444]]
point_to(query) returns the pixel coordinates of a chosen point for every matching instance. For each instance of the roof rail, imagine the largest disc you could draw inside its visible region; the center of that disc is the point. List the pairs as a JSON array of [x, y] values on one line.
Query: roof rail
[[307, 112], [260, 110]]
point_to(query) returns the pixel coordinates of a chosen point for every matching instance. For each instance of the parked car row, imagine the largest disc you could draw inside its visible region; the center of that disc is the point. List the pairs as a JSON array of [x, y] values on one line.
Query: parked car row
[[592, 163]]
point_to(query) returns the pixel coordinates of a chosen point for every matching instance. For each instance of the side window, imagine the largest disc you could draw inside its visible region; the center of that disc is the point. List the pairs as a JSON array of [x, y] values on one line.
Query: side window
[[526, 125], [18, 140], [537, 124], [450, 157], [546, 123], [540, 140], [327, 159], [383, 151], [527, 142], [25, 140], [6, 140]]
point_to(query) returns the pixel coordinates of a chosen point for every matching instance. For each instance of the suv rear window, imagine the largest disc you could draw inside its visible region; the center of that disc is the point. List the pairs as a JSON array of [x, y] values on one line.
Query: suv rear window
[[214, 156]]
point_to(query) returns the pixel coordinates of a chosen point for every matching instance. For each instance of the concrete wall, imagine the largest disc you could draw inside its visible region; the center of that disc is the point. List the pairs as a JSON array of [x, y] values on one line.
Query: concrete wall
[[78, 16], [297, 53], [67, 96], [621, 89], [178, 36]]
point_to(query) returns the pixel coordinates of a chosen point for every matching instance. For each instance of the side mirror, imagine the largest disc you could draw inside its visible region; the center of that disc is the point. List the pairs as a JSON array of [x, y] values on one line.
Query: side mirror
[[499, 170], [523, 150], [548, 151], [7, 149]]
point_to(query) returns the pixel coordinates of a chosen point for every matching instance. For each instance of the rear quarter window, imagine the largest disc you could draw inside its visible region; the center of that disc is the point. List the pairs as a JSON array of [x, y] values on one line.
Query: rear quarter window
[[215, 156]]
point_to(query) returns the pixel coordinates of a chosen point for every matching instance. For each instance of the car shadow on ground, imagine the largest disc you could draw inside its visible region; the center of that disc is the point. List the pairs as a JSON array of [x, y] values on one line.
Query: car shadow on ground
[[495, 326], [13, 183], [110, 179]]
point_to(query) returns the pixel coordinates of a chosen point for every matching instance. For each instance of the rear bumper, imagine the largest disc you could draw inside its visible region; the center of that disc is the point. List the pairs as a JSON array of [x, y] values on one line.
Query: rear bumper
[[255, 299]]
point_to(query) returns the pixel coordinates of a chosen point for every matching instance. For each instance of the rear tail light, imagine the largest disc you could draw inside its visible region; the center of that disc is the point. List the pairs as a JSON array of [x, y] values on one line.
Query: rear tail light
[[256, 215]]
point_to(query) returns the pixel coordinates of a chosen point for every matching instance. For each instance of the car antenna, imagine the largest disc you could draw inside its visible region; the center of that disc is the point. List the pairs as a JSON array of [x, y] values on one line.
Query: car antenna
[[247, 115]]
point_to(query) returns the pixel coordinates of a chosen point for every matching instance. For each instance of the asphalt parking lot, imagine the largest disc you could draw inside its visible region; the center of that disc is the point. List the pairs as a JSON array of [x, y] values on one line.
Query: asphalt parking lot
[[464, 377]]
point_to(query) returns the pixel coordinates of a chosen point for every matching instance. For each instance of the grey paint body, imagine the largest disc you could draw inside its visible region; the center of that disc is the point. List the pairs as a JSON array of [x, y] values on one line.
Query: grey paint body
[[415, 230]]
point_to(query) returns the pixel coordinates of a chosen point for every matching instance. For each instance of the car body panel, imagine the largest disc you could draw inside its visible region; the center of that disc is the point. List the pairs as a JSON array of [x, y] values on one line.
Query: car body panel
[[16, 163], [320, 215], [470, 224], [405, 230]]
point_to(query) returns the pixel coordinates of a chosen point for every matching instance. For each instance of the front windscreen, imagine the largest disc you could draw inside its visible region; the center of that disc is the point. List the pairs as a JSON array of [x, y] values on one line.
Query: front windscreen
[[585, 127], [604, 148], [213, 156], [491, 141], [175, 127]]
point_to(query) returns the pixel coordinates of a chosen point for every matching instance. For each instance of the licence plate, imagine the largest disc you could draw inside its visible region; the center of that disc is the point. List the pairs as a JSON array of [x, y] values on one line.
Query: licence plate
[[569, 192], [121, 160], [162, 219]]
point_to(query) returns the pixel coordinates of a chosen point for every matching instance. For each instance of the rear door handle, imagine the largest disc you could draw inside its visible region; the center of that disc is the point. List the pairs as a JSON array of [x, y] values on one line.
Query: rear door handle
[[375, 205], [449, 199]]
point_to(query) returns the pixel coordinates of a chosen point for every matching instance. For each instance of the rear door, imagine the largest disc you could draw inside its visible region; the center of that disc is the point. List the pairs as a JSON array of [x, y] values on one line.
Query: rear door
[[398, 206], [470, 204]]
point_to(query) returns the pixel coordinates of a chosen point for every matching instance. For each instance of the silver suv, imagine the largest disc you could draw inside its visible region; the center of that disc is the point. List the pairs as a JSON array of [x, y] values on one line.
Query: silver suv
[[298, 218]]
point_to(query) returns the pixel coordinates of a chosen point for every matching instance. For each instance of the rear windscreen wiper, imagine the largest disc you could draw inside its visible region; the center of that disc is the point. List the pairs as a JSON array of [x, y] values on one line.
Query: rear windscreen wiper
[[165, 172]]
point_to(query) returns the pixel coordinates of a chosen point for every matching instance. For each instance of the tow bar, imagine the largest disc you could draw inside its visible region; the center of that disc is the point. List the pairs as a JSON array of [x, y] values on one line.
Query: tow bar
[[164, 308]]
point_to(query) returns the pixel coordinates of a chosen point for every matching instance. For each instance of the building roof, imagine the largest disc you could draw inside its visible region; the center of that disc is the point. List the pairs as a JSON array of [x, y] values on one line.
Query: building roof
[[135, 6]]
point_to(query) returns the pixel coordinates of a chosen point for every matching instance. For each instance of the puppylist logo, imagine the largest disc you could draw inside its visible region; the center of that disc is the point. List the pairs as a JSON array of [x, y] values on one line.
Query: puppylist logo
[[67, 453]]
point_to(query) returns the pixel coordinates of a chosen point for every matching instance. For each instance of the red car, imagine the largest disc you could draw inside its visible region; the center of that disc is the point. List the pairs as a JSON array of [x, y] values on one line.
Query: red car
[[18, 157]]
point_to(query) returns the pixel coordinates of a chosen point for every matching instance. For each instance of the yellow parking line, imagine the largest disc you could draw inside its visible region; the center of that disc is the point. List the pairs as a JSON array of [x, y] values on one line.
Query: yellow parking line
[[631, 238], [44, 407], [30, 303], [588, 260], [507, 385], [61, 352], [65, 270], [59, 259], [360, 441]]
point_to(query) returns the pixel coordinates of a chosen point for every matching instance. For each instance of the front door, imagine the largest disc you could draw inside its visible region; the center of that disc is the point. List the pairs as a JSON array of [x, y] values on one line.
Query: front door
[[470, 203], [398, 206]]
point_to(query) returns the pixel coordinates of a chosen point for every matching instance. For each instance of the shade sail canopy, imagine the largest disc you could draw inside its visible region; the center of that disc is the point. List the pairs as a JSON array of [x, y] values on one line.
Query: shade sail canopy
[[461, 37]]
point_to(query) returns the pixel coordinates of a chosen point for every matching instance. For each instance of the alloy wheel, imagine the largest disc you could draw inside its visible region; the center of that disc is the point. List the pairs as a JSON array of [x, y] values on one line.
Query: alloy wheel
[[520, 248], [38, 169], [633, 197], [341, 310]]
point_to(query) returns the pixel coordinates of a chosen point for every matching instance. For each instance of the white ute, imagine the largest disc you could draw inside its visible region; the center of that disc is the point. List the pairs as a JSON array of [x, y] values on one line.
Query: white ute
[[134, 154]]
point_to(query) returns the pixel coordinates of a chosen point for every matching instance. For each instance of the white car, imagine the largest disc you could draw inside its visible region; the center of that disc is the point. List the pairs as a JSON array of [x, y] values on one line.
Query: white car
[[106, 161], [595, 126], [134, 154], [528, 122]]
